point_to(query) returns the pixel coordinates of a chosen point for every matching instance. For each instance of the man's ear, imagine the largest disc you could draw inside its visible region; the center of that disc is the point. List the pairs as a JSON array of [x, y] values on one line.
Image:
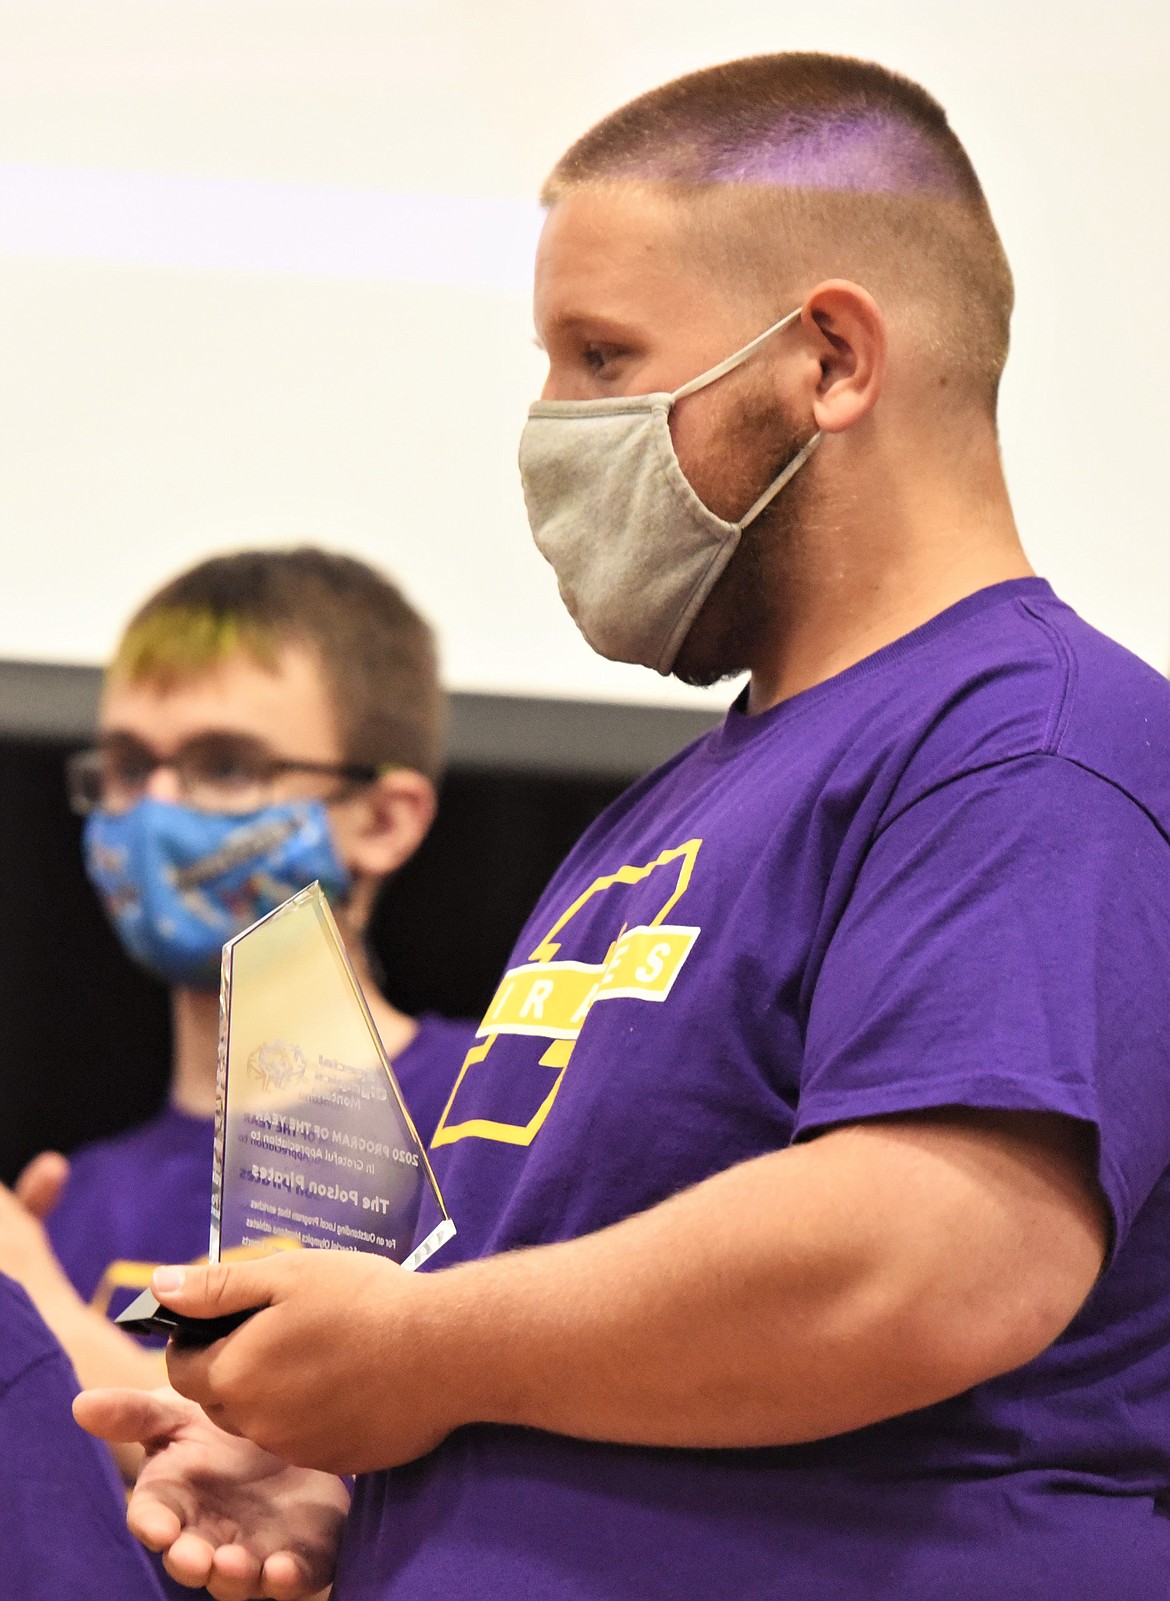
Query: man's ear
[[846, 327], [388, 822]]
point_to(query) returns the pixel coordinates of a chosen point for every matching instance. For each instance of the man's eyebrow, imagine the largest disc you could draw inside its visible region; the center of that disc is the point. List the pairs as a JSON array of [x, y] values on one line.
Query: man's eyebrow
[[592, 322]]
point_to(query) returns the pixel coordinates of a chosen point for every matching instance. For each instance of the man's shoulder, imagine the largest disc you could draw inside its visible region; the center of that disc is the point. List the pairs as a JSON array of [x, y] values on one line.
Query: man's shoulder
[[979, 684], [1028, 679], [1115, 714], [1008, 673]]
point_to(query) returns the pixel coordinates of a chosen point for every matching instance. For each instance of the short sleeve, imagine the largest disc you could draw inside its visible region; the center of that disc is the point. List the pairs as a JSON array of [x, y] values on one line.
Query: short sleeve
[[1006, 946]]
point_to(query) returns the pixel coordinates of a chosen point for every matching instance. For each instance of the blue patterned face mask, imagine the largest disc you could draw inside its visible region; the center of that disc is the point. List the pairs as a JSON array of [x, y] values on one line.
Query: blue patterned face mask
[[176, 882]]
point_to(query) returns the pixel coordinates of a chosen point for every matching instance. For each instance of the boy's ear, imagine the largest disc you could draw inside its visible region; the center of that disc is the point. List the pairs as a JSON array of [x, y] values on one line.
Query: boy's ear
[[390, 821]]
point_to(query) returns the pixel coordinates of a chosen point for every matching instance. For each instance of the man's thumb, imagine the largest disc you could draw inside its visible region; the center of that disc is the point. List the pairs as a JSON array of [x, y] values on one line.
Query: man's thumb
[[213, 1289], [125, 1415]]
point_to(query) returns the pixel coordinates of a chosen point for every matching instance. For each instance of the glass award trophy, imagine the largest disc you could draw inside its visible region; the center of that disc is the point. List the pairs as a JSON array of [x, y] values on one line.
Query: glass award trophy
[[314, 1145]]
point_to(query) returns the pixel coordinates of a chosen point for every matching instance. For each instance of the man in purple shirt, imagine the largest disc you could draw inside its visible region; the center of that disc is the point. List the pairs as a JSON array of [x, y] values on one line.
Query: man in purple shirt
[[812, 1169], [269, 717], [46, 1461]]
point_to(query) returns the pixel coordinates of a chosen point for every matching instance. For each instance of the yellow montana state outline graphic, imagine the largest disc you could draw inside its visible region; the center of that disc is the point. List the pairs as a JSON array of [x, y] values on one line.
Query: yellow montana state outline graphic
[[550, 999]]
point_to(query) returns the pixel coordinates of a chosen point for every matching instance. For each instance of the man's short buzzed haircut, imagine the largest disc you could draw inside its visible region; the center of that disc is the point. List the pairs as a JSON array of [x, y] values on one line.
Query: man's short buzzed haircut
[[377, 655], [800, 167]]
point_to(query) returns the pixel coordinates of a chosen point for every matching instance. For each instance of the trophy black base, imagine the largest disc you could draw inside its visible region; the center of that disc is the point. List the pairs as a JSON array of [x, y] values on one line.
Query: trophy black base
[[146, 1315]]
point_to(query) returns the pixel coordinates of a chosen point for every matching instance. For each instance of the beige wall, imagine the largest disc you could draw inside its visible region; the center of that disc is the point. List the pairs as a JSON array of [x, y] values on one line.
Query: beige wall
[[263, 273]]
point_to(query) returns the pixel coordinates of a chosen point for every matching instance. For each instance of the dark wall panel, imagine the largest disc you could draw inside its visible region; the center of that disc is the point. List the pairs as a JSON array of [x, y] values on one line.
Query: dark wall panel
[[444, 926], [85, 1039]]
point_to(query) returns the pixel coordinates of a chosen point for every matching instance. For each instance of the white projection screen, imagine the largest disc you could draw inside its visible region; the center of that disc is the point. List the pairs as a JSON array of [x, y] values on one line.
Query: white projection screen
[[264, 270]]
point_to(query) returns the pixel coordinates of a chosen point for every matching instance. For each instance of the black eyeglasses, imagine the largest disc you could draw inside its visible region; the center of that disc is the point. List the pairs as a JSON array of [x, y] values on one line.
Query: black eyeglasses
[[214, 773]]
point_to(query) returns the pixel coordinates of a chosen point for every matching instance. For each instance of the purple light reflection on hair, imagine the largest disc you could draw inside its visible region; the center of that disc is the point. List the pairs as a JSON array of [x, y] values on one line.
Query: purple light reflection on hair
[[869, 152]]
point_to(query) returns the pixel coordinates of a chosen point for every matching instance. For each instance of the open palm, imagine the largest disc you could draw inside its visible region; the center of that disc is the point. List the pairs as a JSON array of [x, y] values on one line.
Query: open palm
[[226, 1514]]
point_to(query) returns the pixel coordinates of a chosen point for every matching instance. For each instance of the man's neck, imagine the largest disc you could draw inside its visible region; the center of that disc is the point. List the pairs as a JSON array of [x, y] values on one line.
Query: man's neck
[[195, 1027], [879, 562]]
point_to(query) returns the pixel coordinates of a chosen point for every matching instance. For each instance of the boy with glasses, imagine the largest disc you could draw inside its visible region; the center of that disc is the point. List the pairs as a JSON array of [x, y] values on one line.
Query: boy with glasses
[[269, 718]]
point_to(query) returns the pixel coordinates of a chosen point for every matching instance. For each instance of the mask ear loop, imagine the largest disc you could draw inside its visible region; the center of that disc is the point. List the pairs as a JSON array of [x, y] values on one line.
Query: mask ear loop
[[730, 363], [777, 485]]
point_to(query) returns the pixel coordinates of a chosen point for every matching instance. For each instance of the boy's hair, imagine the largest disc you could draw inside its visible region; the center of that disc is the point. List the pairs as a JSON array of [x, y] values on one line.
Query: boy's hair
[[377, 654], [788, 169]]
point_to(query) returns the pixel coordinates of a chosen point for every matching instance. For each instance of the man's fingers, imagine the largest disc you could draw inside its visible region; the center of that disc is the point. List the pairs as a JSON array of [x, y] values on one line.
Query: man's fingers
[[40, 1185], [189, 1559], [235, 1574], [123, 1415], [154, 1523], [285, 1577], [228, 1572], [216, 1288]]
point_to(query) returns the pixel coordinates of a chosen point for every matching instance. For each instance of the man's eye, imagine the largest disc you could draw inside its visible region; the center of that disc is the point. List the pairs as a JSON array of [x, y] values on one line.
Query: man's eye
[[599, 357]]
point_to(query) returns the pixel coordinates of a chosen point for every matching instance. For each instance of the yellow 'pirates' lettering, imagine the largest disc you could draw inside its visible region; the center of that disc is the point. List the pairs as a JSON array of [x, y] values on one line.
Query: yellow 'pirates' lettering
[[553, 999], [550, 999]]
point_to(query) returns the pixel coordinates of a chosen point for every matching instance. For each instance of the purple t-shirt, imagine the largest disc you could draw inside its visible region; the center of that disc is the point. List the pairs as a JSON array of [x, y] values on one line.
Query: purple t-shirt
[[940, 878], [62, 1513], [144, 1197]]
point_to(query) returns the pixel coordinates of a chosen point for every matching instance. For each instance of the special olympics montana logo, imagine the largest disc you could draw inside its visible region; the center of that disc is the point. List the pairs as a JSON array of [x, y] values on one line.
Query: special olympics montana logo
[[276, 1064]]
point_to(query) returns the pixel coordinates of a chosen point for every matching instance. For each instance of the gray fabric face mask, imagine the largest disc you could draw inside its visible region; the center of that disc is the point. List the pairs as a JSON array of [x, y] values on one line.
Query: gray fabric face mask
[[635, 551]]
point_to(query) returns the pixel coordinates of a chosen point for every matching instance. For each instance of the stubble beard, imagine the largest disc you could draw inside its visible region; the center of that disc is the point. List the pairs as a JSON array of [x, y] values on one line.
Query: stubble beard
[[739, 615]]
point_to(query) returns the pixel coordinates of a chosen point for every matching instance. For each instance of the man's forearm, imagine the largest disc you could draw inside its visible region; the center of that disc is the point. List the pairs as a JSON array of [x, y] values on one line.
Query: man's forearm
[[878, 1270]]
